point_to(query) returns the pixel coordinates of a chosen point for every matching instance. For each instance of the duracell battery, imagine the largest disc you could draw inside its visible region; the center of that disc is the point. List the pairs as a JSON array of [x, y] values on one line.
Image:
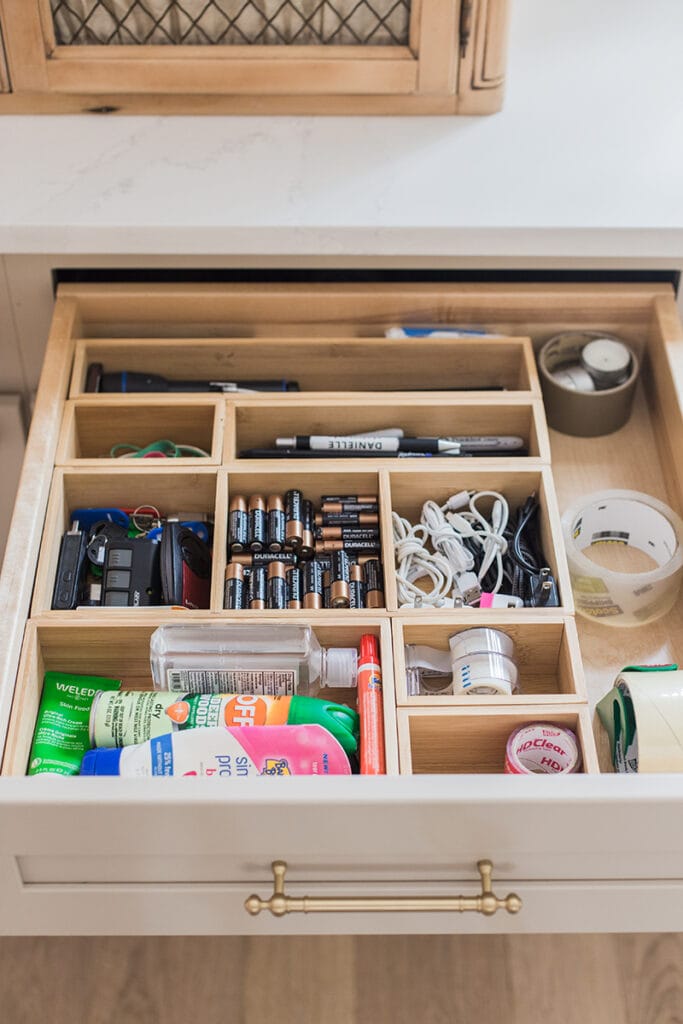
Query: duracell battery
[[234, 591], [307, 548], [340, 576], [257, 523], [294, 587], [352, 519], [356, 507], [345, 499], [355, 547], [238, 524], [327, 579], [374, 583], [276, 522], [356, 586], [265, 558], [257, 592], [277, 586], [347, 534], [294, 523], [312, 584]]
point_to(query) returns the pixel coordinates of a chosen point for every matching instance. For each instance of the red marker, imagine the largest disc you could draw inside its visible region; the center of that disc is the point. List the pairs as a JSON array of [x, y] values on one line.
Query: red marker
[[372, 761]]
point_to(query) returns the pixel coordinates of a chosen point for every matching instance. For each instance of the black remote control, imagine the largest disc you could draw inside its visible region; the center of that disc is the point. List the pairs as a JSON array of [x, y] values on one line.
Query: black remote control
[[70, 570]]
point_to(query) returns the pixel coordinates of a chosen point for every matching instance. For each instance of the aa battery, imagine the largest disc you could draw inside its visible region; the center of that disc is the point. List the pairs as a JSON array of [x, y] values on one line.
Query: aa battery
[[265, 558], [294, 587], [374, 583], [356, 586], [371, 546], [313, 584], [327, 579], [307, 548], [346, 499], [340, 580], [276, 522], [347, 534], [258, 523], [234, 590], [353, 519], [294, 524], [238, 524], [257, 592], [277, 586]]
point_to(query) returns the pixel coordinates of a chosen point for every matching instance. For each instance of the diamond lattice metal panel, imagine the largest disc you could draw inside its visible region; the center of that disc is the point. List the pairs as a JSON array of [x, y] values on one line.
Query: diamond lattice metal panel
[[231, 22]]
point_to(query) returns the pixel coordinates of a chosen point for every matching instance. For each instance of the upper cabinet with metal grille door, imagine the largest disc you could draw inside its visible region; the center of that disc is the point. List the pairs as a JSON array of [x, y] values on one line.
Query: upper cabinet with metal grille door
[[253, 56]]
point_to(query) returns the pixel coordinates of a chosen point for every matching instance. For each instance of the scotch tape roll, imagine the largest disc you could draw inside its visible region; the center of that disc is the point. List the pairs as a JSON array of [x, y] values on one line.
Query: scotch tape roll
[[574, 403], [485, 673], [542, 748], [647, 709], [475, 641], [630, 519]]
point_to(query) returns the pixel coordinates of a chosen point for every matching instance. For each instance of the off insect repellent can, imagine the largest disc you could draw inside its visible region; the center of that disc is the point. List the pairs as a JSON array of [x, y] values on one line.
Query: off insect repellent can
[[129, 717]]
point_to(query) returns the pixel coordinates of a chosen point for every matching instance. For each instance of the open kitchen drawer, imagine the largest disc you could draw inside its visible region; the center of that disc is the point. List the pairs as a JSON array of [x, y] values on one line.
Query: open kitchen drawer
[[593, 851]]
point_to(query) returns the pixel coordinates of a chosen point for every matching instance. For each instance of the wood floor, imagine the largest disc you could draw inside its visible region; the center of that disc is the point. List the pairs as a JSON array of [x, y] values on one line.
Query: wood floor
[[591, 979]]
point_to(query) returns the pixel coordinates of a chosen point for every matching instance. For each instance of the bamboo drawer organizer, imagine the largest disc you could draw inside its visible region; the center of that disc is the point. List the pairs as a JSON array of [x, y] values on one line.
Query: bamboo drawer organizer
[[331, 339]]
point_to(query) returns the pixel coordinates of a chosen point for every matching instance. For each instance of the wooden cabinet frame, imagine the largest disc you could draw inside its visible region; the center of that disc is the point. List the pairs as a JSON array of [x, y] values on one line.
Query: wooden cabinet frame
[[453, 63]]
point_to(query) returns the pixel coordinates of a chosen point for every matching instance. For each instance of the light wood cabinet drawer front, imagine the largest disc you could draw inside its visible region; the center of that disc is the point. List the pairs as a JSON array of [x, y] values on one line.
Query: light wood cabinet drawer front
[[180, 855]]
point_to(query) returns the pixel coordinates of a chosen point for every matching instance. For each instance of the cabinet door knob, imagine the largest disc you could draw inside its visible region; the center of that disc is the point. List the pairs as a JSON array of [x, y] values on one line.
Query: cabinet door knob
[[485, 902]]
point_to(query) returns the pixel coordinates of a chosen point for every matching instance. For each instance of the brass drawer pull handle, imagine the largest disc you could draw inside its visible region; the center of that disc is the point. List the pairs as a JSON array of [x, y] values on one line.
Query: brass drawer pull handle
[[279, 904]]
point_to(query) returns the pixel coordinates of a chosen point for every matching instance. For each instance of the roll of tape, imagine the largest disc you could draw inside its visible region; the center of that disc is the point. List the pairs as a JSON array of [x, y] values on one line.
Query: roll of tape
[[573, 409], [542, 748], [479, 662], [485, 673], [633, 520], [643, 716]]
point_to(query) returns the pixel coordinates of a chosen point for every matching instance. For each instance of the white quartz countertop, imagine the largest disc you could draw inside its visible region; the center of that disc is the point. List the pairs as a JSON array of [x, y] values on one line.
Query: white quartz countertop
[[586, 159]]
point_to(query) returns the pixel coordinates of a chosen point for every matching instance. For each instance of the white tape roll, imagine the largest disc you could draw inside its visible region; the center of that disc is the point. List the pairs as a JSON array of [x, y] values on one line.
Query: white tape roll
[[651, 738], [634, 520], [479, 662]]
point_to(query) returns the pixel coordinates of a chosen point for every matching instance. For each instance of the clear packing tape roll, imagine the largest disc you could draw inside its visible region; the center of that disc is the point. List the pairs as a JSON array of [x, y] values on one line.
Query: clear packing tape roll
[[634, 520], [643, 717]]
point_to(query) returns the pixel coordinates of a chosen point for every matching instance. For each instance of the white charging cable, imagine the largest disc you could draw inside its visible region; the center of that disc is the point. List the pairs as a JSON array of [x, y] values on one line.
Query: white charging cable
[[415, 562], [451, 565]]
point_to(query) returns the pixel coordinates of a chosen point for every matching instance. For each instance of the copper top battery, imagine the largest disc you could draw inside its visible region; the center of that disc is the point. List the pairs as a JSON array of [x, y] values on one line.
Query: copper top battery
[[257, 594], [346, 519], [339, 580], [294, 587], [276, 522], [257, 522], [327, 579], [357, 547], [265, 558], [238, 524], [294, 521], [374, 583], [313, 584], [347, 533], [277, 586], [234, 592], [348, 499], [307, 548], [356, 586]]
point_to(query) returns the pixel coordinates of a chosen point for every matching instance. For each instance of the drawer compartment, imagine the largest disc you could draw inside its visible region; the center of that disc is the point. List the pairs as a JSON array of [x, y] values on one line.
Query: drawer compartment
[[91, 428], [314, 484], [546, 652], [259, 422], [459, 741], [132, 487], [322, 364], [122, 652], [410, 487]]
